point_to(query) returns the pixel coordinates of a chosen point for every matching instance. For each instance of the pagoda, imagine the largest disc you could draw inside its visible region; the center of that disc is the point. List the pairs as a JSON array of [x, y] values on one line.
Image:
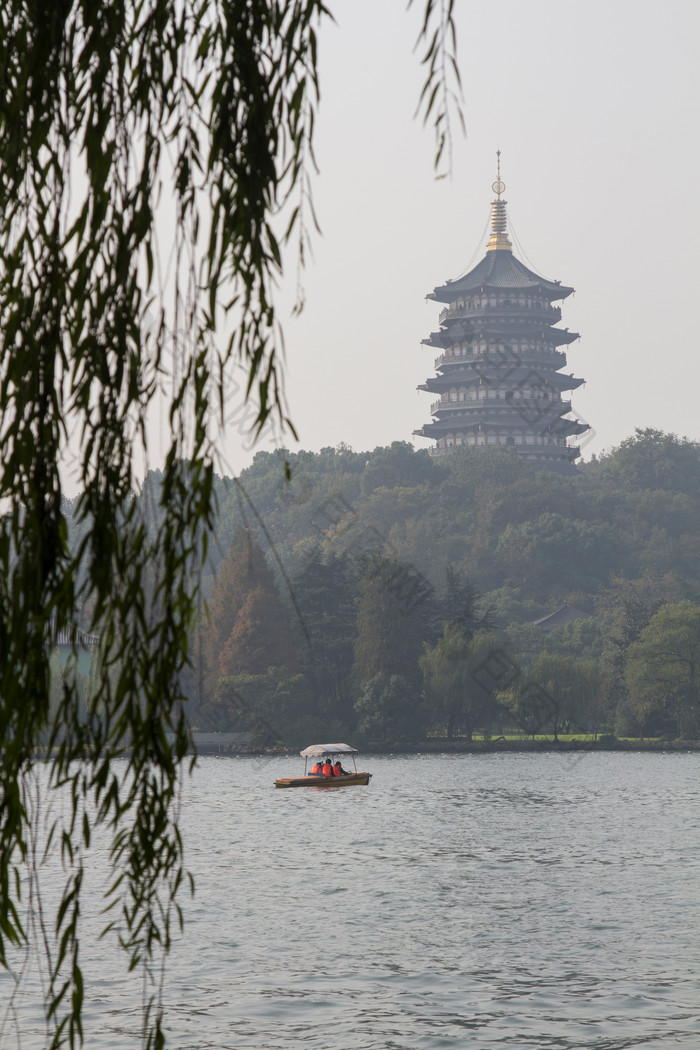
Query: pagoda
[[499, 378]]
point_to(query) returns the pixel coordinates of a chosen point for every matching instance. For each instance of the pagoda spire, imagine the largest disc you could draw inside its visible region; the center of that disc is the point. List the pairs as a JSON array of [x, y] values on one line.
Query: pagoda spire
[[498, 241]]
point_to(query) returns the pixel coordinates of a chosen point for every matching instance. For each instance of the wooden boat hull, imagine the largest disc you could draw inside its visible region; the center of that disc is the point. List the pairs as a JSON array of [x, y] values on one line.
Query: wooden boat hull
[[324, 782]]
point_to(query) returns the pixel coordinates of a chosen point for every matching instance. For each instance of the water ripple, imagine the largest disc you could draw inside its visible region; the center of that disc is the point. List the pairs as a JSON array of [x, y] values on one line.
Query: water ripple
[[532, 902]]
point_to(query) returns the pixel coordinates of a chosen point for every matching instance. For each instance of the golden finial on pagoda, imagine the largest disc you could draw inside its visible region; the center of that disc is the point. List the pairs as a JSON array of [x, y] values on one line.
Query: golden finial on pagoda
[[498, 241]]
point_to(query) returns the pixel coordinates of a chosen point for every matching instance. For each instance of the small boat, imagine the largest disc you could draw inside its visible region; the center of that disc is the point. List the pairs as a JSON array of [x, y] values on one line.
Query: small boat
[[318, 779]]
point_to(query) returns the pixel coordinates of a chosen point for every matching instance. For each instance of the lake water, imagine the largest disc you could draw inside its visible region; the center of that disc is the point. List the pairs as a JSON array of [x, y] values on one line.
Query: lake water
[[521, 901]]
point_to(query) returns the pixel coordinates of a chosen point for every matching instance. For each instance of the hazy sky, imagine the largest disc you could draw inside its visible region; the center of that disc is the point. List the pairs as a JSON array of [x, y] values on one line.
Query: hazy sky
[[594, 106]]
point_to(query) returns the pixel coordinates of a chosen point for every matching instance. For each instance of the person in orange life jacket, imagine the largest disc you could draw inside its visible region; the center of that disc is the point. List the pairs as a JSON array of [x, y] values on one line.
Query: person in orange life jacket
[[328, 769], [338, 770], [317, 769]]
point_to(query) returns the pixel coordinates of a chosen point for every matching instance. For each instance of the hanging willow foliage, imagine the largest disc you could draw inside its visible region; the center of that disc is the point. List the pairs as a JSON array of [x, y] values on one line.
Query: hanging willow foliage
[[117, 117]]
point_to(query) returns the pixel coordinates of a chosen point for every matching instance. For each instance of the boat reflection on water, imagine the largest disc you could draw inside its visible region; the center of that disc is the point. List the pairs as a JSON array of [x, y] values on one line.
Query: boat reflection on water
[[319, 780]]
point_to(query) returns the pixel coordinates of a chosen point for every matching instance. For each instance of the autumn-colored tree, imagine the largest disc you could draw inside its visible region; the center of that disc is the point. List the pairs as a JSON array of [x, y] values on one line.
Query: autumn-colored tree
[[242, 571], [261, 636]]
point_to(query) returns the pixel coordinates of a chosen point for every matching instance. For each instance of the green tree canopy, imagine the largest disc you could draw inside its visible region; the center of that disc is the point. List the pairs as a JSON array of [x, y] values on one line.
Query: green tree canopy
[[275, 707], [391, 627], [662, 671], [534, 551], [398, 465], [390, 710], [655, 460], [325, 589], [458, 685], [574, 686]]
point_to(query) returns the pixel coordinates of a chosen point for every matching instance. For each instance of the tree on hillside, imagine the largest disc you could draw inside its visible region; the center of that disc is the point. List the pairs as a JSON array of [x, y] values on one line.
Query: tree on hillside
[[662, 672], [558, 554], [390, 710], [106, 111], [459, 690], [653, 459], [248, 628], [261, 636], [582, 639], [398, 465], [276, 707], [456, 605], [626, 609], [325, 589], [494, 465], [390, 631], [506, 606], [242, 571]]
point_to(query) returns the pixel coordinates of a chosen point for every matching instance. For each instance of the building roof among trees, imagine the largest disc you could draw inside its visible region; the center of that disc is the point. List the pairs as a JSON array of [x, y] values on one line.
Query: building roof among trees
[[560, 617]]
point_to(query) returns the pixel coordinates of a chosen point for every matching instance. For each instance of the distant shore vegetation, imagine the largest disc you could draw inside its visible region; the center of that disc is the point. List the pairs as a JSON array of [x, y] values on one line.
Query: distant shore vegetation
[[392, 598]]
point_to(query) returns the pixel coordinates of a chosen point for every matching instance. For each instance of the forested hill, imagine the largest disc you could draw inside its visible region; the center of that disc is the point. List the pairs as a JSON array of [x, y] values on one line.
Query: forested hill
[[366, 593], [382, 596], [528, 540]]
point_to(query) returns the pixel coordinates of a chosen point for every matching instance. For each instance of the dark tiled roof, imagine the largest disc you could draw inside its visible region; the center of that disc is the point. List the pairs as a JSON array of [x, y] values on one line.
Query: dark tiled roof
[[495, 328], [474, 418], [499, 269], [470, 374]]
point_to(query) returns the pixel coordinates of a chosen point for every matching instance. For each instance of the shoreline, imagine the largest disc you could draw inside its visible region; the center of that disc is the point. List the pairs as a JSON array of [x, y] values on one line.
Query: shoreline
[[538, 746], [489, 747]]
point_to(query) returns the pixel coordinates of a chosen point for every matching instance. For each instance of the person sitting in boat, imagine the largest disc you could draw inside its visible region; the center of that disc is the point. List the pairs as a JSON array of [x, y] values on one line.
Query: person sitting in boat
[[338, 770], [328, 769], [317, 770]]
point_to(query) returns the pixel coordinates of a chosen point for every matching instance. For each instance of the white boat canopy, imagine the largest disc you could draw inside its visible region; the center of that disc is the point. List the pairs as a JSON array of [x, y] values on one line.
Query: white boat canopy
[[325, 750]]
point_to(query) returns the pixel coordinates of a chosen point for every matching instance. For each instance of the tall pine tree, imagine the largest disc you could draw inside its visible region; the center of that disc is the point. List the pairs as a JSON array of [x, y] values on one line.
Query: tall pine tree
[[325, 589], [391, 630]]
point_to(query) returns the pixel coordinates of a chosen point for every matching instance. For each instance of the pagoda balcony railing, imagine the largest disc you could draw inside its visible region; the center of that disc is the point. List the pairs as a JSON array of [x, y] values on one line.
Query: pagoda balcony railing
[[535, 312], [566, 451], [529, 409], [543, 451], [497, 357]]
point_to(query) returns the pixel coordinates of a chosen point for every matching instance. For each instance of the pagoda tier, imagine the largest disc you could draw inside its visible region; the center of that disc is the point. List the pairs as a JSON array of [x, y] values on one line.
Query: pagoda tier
[[498, 375], [498, 330], [468, 381], [555, 425]]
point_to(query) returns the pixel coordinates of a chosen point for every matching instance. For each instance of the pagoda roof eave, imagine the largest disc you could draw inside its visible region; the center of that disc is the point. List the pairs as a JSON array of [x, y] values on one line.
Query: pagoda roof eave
[[473, 376], [449, 336], [499, 270], [558, 424], [568, 426], [452, 424]]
